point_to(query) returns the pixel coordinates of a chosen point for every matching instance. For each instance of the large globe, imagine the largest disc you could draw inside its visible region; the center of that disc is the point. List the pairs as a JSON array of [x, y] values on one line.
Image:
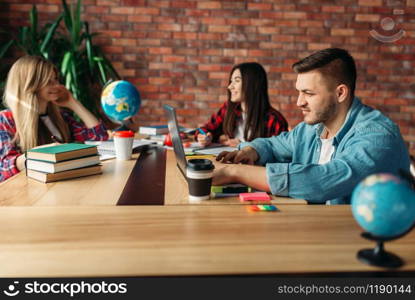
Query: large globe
[[120, 100], [384, 205]]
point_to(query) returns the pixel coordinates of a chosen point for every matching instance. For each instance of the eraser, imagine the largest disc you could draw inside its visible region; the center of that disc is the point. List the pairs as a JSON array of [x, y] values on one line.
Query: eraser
[[258, 196]]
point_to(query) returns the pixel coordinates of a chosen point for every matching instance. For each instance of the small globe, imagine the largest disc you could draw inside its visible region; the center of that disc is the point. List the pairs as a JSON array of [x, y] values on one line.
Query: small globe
[[384, 205], [120, 100]]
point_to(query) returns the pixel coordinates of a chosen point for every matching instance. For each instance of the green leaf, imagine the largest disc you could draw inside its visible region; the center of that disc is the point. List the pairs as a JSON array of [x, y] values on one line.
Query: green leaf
[[101, 71], [5, 47], [111, 68], [67, 58], [68, 80], [67, 16], [74, 71], [49, 35], [89, 50], [77, 22], [22, 40], [33, 27]]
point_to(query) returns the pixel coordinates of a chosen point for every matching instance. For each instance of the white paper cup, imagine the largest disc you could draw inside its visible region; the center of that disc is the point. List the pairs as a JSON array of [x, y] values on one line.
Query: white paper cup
[[199, 178], [123, 142]]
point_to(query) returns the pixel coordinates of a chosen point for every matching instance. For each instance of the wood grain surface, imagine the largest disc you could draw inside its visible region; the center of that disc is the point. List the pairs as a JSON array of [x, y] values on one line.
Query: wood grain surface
[[183, 240]]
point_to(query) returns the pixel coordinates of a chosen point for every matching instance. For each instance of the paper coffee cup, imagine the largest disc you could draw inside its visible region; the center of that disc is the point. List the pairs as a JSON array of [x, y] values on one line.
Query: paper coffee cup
[[199, 177], [123, 142]]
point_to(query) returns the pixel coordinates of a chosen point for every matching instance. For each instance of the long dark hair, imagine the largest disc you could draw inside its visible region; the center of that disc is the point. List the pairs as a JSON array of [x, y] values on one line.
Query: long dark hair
[[255, 96]]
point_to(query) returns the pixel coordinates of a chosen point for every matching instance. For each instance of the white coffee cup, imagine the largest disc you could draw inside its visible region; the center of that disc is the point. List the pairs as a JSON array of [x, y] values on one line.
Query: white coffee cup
[[123, 142], [199, 174]]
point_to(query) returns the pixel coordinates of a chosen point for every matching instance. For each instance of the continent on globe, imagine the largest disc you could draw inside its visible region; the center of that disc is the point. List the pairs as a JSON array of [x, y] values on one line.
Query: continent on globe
[[384, 205], [120, 100]]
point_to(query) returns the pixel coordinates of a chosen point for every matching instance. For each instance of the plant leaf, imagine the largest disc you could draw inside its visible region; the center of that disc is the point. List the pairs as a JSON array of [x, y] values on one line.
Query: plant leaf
[[103, 77], [67, 16], [89, 50], [33, 29], [111, 68], [77, 22], [22, 40], [48, 38], [65, 63], [5, 47]]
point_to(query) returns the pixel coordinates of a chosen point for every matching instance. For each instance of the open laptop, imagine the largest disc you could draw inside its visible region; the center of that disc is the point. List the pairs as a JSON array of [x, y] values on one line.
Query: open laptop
[[180, 155], [175, 138]]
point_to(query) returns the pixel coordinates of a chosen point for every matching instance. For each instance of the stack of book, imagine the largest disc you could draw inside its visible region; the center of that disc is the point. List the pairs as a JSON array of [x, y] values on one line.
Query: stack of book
[[154, 130], [62, 161], [156, 133]]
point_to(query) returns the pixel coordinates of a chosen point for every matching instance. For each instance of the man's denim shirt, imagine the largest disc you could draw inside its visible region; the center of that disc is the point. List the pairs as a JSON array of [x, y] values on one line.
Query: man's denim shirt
[[367, 143]]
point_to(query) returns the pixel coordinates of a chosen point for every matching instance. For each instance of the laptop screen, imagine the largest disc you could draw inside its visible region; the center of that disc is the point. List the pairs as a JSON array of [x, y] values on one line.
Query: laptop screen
[[175, 137]]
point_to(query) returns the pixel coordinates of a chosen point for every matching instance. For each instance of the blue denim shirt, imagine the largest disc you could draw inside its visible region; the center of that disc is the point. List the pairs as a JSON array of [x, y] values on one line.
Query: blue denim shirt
[[367, 143]]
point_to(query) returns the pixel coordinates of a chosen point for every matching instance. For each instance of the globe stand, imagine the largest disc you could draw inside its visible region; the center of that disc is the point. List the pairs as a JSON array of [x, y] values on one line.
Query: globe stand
[[124, 125], [378, 256]]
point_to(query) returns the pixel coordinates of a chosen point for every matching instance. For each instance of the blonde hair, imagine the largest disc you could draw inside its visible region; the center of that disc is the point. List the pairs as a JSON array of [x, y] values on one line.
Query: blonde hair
[[27, 75]]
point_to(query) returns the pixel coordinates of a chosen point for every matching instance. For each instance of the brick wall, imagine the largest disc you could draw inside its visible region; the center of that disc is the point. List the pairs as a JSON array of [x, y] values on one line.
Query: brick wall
[[180, 52]]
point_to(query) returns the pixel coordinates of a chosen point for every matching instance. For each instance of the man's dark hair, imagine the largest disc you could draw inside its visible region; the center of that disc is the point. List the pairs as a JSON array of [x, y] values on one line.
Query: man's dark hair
[[335, 64]]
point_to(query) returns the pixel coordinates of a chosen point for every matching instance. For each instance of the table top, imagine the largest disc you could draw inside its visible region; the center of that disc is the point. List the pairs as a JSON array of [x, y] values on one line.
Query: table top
[[177, 193], [149, 178], [57, 241], [103, 189]]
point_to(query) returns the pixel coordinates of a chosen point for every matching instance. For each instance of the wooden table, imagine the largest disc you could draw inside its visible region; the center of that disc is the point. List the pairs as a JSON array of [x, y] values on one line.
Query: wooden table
[[104, 189], [60, 241], [177, 193], [152, 179], [74, 228]]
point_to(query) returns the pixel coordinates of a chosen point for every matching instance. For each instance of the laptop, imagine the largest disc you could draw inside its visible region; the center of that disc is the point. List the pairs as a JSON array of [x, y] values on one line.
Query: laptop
[[175, 138], [226, 190]]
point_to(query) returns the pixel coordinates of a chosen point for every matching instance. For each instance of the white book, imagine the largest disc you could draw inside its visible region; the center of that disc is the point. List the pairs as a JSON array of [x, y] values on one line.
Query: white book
[[50, 167], [153, 130]]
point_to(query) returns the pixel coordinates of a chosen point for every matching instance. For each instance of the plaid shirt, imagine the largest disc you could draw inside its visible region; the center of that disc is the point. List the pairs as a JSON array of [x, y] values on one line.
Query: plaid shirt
[[275, 122], [9, 151]]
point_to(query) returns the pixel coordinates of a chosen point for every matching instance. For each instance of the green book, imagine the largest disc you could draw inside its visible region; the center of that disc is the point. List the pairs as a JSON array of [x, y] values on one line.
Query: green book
[[62, 152]]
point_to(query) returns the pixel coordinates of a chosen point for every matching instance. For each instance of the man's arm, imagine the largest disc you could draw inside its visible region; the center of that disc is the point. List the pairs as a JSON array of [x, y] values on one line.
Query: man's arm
[[363, 155], [274, 149], [253, 176]]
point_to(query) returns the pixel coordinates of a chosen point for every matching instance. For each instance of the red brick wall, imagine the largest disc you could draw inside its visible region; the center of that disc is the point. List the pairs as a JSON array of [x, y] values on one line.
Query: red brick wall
[[180, 52]]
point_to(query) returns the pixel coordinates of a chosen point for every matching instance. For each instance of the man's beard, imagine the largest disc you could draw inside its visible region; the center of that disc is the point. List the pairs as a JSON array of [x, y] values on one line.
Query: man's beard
[[326, 114]]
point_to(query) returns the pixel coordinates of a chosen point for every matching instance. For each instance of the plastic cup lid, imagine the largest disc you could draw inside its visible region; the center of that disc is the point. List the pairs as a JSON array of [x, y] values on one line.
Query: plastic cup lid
[[196, 164], [125, 133]]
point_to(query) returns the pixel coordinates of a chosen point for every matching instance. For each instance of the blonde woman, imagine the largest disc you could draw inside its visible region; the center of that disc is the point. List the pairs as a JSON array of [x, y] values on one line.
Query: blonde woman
[[39, 112]]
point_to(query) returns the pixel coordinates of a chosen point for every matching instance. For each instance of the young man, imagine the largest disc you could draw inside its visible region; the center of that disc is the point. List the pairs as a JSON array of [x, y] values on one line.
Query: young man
[[340, 142]]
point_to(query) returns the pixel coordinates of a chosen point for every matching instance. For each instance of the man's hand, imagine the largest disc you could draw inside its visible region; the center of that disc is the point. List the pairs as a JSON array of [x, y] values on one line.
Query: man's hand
[[247, 155], [253, 176], [223, 175]]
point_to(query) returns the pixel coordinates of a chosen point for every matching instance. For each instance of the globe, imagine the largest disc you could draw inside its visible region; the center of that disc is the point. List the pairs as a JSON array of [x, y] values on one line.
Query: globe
[[384, 205], [120, 100]]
